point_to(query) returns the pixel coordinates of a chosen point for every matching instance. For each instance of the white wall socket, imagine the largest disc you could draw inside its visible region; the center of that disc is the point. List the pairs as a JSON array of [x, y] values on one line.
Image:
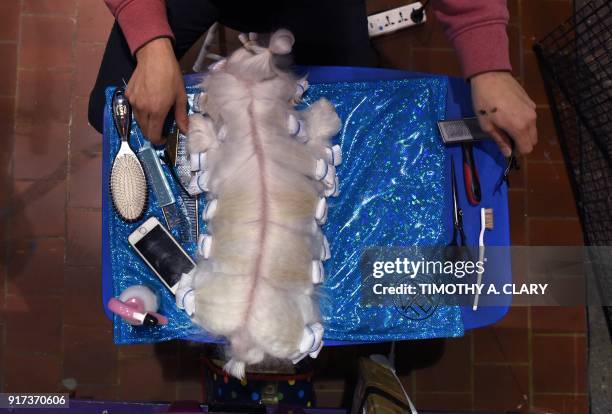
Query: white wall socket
[[392, 20]]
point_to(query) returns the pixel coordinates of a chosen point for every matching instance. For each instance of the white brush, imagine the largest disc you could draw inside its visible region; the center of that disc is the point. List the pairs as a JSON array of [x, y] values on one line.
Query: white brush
[[486, 223], [128, 185]]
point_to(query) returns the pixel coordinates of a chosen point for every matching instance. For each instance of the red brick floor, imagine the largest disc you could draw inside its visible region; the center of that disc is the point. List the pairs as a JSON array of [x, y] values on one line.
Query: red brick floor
[[51, 321]]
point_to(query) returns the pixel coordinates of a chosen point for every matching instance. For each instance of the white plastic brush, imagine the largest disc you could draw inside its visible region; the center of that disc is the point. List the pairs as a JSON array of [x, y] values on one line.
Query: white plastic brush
[[486, 223], [128, 185]]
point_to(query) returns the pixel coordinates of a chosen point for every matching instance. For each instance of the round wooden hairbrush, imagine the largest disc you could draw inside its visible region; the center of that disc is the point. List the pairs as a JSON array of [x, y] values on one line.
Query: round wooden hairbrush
[[128, 184]]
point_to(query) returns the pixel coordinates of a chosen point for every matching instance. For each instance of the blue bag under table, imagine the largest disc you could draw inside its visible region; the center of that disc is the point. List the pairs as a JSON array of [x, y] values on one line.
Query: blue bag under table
[[488, 159]]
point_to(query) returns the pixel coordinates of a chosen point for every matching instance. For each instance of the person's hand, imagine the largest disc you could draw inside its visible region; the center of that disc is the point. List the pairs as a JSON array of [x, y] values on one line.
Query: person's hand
[[155, 86], [505, 111]]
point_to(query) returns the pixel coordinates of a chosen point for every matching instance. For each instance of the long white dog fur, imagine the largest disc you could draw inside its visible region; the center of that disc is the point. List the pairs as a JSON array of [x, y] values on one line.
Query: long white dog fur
[[268, 169]]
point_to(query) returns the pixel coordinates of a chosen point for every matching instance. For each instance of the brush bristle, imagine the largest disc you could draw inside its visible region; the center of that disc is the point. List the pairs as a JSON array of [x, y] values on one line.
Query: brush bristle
[[128, 187], [489, 218]]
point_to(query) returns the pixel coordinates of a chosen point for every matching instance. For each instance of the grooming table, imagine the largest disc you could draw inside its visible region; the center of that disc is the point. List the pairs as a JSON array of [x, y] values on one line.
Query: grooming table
[[490, 164]]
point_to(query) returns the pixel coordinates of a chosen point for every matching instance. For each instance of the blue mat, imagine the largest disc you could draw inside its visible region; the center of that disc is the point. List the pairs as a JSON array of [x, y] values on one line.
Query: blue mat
[[490, 164], [447, 322]]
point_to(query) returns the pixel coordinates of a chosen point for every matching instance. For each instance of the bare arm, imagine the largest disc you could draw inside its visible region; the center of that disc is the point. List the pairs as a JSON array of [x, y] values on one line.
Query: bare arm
[[157, 83], [477, 30], [155, 86], [141, 20]]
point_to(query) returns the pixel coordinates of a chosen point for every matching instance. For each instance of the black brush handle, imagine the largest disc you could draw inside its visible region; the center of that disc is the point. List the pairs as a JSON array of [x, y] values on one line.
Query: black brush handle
[[122, 114], [470, 175]]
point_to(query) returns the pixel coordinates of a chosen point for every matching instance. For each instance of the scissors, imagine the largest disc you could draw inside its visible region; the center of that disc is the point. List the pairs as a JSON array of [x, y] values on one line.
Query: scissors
[[457, 213], [457, 249], [511, 164]]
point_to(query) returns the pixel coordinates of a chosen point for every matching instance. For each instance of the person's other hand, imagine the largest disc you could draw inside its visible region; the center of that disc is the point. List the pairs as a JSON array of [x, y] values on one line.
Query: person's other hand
[[505, 111], [155, 86]]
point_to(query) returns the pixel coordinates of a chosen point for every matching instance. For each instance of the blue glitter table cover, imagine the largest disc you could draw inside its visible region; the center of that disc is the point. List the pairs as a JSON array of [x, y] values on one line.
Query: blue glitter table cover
[[392, 194]]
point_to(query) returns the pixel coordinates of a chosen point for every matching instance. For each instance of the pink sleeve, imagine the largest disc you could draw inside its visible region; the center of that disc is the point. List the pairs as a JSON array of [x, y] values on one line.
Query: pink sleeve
[[141, 20], [477, 30]]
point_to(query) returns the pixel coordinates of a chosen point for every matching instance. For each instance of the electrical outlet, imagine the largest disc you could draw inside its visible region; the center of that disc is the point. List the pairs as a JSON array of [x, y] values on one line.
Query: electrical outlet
[[392, 20]]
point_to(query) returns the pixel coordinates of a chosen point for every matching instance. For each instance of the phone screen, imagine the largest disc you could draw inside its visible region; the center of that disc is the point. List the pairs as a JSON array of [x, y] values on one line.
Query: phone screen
[[162, 253]]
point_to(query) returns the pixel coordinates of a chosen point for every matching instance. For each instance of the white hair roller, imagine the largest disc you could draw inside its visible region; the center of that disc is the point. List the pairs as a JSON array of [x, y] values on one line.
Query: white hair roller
[[321, 210], [317, 272], [308, 341], [300, 88], [311, 343], [318, 330], [205, 245], [197, 161], [312, 340], [199, 183], [325, 250], [336, 192], [331, 191], [336, 155], [185, 295], [209, 211], [296, 128], [323, 152], [330, 176]]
